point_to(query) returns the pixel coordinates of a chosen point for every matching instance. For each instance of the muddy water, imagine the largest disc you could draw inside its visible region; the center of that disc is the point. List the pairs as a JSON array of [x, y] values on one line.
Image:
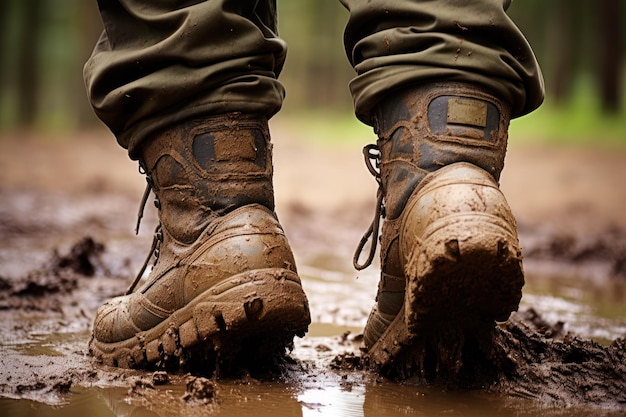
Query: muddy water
[[340, 301], [273, 400]]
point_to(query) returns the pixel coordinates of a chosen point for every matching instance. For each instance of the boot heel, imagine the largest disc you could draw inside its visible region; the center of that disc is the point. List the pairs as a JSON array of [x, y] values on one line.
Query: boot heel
[[463, 260], [467, 271]]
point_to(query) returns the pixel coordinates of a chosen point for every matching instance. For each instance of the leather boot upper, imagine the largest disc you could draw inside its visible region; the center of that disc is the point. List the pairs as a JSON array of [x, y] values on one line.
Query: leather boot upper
[[420, 131], [205, 168], [213, 184]]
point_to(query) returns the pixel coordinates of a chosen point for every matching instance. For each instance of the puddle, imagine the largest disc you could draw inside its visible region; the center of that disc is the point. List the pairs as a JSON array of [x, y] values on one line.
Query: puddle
[[43, 344], [589, 308], [326, 398]]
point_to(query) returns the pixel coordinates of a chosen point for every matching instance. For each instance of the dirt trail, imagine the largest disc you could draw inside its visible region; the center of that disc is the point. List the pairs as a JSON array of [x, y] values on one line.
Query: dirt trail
[[67, 210]]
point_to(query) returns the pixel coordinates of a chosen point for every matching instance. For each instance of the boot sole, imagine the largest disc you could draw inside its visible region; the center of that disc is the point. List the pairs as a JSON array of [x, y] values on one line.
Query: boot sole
[[466, 274], [268, 306]]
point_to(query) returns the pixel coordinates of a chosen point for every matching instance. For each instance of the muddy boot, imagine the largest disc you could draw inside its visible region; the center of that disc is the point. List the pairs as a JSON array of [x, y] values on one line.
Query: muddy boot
[[224, 279], [451, 264]]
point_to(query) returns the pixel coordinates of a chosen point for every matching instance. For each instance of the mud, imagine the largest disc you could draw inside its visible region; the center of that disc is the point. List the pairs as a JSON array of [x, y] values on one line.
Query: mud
[[58, 276], [527, 358], [607, 248], [561, 369], [67, 245]]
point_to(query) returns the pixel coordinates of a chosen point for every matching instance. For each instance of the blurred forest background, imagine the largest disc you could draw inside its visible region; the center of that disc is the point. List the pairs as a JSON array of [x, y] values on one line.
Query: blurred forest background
[[580, 45]]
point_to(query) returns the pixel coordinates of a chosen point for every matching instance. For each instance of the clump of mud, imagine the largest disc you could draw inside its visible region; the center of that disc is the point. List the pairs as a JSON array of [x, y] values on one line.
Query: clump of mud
[[200, 393], [83, 258], [200, 390], [556, 368], [59, 275]]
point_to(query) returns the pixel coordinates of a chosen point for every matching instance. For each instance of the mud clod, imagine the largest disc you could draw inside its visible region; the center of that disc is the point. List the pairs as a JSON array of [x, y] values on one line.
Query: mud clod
[[160, 378], [63, 385], [608, 247], [83, 258], [348, 362], [452, 248], [561, 370], [139, 385], [40, 283], [201, 390], [59, 275]]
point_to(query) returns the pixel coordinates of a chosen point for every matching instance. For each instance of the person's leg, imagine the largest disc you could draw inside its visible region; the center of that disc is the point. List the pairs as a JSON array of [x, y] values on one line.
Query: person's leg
[[187, 87], [393, 44], [161, 62], [439, 81]]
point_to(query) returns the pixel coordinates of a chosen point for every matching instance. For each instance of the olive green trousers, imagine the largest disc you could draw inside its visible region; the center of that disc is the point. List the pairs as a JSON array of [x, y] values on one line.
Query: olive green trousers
[[159, 62]]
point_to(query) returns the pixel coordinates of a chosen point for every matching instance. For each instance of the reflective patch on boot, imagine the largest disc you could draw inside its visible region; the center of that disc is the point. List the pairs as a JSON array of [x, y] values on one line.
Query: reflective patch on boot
[[223, 147], [467, 111], [464, 117], [227, 149]]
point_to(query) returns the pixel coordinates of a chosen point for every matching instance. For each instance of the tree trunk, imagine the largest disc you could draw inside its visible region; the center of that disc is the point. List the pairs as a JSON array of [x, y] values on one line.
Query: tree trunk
[[89, 29], [610, 47], [28, 60], [562, 38]]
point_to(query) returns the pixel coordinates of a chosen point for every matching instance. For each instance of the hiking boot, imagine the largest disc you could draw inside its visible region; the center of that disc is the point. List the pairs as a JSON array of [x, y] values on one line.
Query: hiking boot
[[224, 278], [451, 264]]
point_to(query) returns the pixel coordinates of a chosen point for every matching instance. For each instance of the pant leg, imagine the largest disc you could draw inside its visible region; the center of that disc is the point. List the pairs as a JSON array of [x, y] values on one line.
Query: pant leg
[[393, 44], [162, 61]]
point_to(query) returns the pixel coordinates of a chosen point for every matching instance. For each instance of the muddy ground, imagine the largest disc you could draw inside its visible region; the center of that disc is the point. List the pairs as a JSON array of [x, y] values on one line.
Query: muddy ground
[[67, 213]]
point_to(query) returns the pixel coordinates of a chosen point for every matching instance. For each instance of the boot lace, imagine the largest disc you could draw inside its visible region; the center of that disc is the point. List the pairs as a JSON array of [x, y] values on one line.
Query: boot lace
[[157, 237], [371, 153]]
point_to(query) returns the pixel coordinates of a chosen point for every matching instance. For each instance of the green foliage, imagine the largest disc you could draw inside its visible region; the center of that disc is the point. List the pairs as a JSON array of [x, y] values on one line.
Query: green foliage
[[580, 120], [326, 128], [48, 41], [317, 71]]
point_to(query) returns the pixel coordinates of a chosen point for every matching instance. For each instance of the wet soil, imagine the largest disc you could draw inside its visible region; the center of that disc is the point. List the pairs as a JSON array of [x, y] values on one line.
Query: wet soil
[[67, 217]]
